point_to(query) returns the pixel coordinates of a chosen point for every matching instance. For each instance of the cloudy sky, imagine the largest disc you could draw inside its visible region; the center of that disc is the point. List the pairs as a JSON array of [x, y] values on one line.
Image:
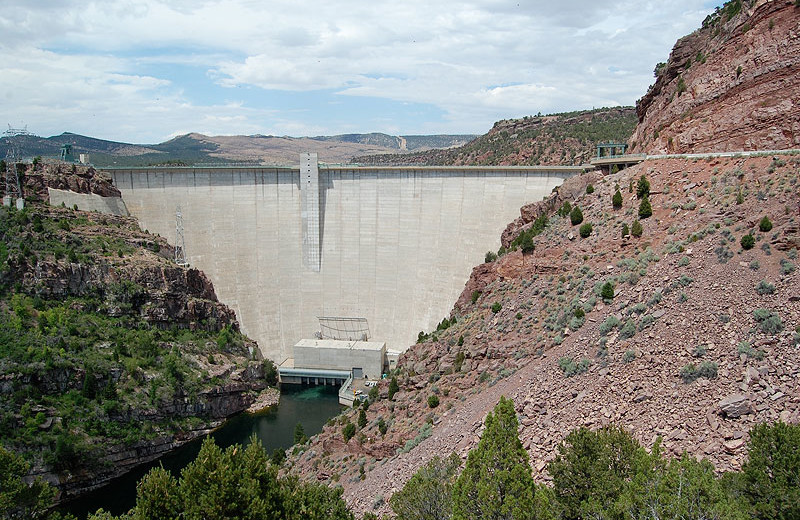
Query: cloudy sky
[[146, 70]]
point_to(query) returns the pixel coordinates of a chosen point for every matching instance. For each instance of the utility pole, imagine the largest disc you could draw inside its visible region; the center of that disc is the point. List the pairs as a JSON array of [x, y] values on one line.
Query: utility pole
[[180, 245], [13, 155]]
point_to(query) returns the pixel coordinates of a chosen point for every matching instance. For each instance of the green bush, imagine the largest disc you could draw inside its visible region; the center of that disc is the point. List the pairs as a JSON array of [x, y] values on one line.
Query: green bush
[[616, 199], [765, 224], [765, 287], [607, 291], [691, 372], [589, 189], [576, 216], [565, 209], [428, 493], [745, 348], [490, 257], [769, 322], [475, 295], [747, 242], [585, 230], [628, 330], [382, 426], [625, 230], [348, 431], [570, 368], [433, 401], [496, 307], [645, 209], [629, 356]]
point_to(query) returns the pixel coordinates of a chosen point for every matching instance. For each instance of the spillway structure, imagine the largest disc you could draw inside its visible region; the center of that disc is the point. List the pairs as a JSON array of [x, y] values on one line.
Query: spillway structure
[[286, 245]]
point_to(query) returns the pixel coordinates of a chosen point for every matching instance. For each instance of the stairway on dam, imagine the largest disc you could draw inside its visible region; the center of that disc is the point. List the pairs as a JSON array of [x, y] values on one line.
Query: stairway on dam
[[393, 244]]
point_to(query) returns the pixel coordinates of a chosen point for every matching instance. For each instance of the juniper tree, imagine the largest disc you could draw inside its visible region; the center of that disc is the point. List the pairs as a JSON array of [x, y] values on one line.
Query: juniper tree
[[576, 216], [616, 200], [645, 209], [496, 482], [642, 187], [771, 474], [428, 494]]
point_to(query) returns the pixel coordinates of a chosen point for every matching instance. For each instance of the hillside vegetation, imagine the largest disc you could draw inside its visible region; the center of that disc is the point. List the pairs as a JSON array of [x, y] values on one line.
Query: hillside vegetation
[[557, 139], [109, 353]]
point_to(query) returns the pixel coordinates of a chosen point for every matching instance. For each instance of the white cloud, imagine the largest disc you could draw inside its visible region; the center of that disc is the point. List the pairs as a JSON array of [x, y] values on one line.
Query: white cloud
[[78, 65]]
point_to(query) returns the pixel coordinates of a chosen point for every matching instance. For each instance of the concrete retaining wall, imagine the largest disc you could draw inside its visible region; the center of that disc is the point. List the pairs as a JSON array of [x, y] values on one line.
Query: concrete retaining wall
[[87, 202], [397, 244]]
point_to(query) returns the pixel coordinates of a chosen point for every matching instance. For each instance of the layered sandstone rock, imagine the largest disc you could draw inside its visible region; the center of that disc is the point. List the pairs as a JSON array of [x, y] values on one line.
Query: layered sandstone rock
[[729, 86]]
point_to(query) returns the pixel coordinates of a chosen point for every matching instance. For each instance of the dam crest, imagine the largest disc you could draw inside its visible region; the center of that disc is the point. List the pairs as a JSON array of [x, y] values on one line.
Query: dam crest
[[285, 245]]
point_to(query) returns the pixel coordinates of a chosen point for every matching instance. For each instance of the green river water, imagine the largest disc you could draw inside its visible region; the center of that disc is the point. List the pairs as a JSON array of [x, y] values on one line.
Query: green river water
[[310, 406]]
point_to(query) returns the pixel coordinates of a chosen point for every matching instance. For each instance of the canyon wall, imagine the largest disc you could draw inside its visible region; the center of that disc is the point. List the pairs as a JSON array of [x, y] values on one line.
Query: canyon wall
[[731, 85]]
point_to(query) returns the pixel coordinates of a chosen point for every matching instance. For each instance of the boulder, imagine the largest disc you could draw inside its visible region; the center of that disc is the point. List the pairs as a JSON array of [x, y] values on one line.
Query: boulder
[[735, 406]]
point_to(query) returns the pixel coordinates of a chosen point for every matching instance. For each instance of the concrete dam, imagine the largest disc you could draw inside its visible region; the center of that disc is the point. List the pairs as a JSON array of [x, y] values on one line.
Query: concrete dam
[[285, 245]]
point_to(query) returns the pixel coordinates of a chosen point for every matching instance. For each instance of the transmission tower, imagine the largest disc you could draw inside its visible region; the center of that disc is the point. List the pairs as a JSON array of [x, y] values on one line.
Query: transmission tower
[[13, 155], [180, 245]]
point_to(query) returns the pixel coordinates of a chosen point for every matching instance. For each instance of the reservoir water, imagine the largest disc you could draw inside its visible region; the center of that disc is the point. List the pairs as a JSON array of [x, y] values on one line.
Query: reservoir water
[[310, 406]]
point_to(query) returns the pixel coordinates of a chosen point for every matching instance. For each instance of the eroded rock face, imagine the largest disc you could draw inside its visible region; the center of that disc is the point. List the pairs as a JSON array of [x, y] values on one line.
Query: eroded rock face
[[730, 86], [61, 176]]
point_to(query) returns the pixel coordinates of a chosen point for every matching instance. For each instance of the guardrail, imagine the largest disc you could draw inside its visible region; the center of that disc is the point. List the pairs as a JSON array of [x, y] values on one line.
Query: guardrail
[[346, 397]]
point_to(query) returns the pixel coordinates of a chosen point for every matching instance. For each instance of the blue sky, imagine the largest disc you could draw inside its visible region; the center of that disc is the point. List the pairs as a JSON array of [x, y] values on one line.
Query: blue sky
[[143, 71]]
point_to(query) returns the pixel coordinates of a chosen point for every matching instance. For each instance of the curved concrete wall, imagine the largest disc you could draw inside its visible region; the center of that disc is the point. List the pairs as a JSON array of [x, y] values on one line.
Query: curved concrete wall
[[397, 244]]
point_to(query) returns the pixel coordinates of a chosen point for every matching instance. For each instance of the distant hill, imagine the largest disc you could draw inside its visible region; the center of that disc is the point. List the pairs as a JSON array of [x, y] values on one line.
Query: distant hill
[[197, 148], [567, 138]]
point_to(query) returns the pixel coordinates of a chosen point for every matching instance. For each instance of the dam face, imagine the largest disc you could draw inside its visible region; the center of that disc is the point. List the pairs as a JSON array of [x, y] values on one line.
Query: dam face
[[393, 245]]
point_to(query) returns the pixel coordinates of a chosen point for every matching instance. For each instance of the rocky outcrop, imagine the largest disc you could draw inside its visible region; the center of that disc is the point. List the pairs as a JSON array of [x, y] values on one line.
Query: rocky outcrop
[[61, 176], [731, 85]]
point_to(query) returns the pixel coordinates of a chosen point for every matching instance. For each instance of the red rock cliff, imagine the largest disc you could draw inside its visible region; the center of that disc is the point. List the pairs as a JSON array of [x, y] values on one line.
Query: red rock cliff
[[731, 85]]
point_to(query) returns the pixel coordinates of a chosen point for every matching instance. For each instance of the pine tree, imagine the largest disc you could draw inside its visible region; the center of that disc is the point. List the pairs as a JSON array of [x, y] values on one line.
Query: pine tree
[[393, 387], [642, 187], [591, 470], [607, 291], [362, 419], [496, 482], [625, 230], [771, 475], [645, 209], [616, 200], [636, 229]]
